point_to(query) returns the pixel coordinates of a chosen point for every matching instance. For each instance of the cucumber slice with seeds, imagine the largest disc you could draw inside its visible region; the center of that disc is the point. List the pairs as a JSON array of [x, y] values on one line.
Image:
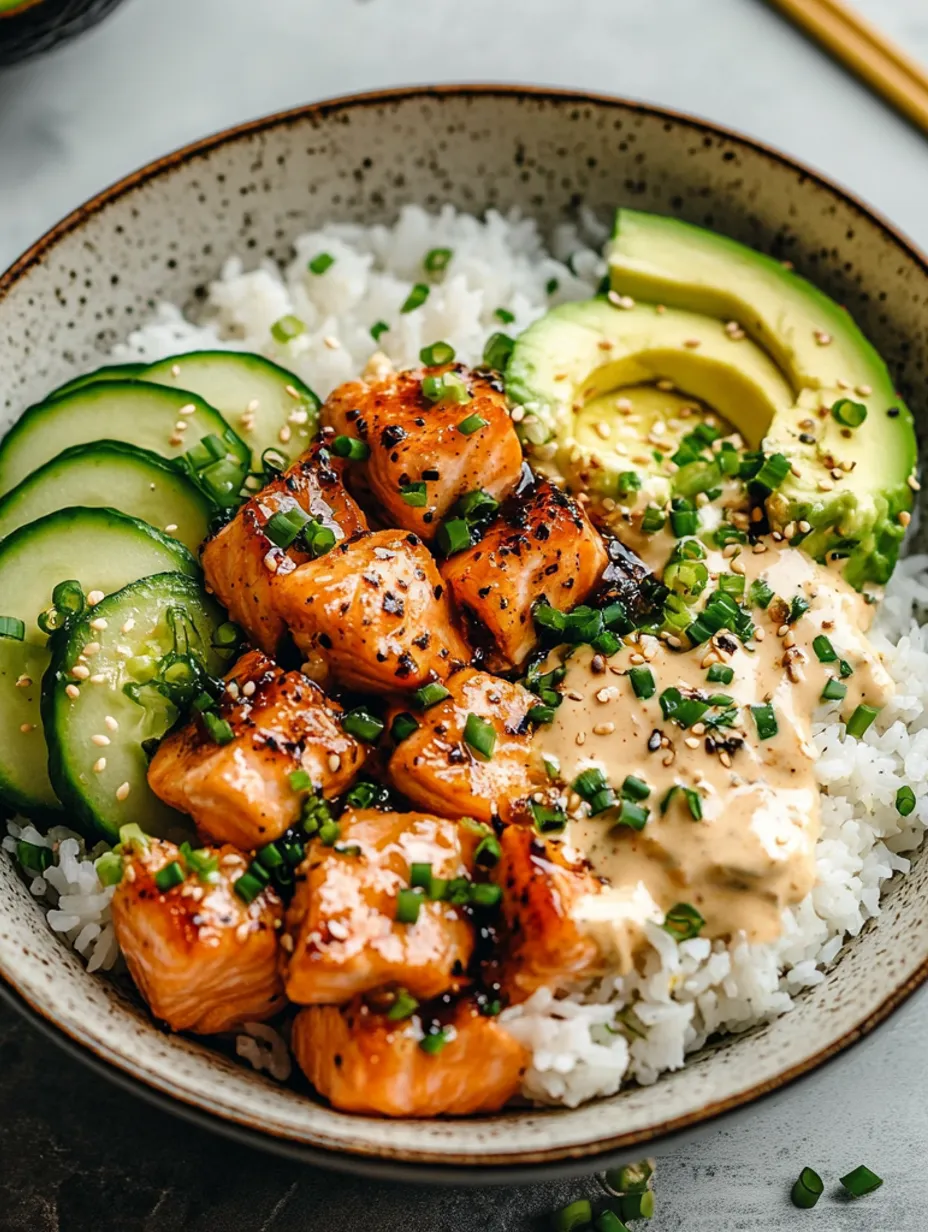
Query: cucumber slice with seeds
[[267, 405], [96, 759], [103, 550], [138, 414], [109, 473], [112, 372]]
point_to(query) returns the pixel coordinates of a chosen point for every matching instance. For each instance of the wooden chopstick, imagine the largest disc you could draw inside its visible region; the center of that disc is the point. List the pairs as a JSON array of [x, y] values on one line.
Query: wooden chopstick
[[866, 51]]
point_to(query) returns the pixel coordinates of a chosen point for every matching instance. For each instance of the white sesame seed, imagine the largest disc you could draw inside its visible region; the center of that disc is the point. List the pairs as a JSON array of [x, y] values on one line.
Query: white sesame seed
[[175, 439], [691, 742], [603, 431], [725, 759], [100, 740], [331, 342], [737, 565], [98, 678], [334, 762], [904, 517], [128, 626], [122, 791], [759, 635], [825, 485], [665, 386], [99, 624], [914, 484], [864, 390], [699, 729], [624, 405], [607, 694], [23, 682], [298, 417], [99, 765], [517, 414], [783, 630], [759, 548], [822, 338], [668, 760], [255, 405], [175, 369], [95, 597], [124, 652], [284, 434], [110, 723], [603, 729], [25, 728], [248, 688], [72, 691], [692, 343], [171, 528], [80, 672], [842, 383], [805, 527], [294, 393], [91, 648]]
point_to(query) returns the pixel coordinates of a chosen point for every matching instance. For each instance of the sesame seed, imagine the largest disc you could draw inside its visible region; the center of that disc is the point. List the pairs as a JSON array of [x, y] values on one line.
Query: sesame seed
[[99, 624], [122, 791], [665, 386], [110, 723], [293, 392], [759, 635], [334, 762], [864, 390], [23, 682], [914, 484], [560, 376], [517, 414], [284, 434], [298, 417], [171, 528], [904, 518], [794, 671], [99, 765], [255, 405], [91, 649], [580, 738], [730, 550], [271, 561], [621, 301], [825, 485], [100, 740], [789, 639], [603, 431], [759, 549], [673, 641], [175, 439], [725, 759], [737, 565], [286, 943], [98, 678], [605, 344], [95, 597], [25, 728], [842, 383], [128, 626], [175, 369], [603, 729], [124, 652], [624, 405], [783, 630], [331, 342], [668, 760], [709, 659], [691, 344], [597, 664], [692, 742], [822, 338], [248, 688], [608, 504], [805, 527], [636, 658], [72, 691], [188, 409], [80, 672], [607, 694]]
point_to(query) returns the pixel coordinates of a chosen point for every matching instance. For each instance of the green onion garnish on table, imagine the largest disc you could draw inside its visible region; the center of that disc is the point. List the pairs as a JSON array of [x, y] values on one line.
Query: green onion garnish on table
[[807, 1190], [861, 1181], [578, 1214]]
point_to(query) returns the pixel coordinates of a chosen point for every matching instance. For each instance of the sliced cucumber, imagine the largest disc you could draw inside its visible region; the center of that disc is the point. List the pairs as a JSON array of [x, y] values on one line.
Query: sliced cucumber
[[112, 372], [267, 405], [103, 550], [96, 759], [138, 414], [109, 473]]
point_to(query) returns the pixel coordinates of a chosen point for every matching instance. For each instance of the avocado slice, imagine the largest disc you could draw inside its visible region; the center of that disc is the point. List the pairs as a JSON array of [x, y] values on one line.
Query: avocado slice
[[853, 482], [579, 351]]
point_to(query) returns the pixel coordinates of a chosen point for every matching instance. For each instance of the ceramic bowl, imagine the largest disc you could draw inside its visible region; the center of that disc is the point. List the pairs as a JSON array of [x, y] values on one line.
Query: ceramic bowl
[[163, 233]]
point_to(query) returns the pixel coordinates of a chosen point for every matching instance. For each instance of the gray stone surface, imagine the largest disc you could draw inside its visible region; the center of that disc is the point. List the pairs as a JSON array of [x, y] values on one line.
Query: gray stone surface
[[77, 1154]]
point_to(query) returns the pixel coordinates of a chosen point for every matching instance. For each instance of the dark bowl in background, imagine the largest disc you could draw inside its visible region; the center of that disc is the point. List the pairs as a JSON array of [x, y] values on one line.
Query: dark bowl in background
[[32, 26]]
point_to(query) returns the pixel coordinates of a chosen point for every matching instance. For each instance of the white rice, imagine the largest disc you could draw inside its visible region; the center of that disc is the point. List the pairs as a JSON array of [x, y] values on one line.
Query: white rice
[[685, 992]]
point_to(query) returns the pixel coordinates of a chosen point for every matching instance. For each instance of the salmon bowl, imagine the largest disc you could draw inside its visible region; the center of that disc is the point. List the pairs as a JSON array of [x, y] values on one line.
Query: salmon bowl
[[487, 732]]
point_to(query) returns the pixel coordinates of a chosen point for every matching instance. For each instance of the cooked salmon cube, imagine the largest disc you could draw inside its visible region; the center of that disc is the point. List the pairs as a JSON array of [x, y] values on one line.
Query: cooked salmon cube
[[203, 959], [541, 547], [343, 934], [425, 453], [363, 1062], [375, 609], [437, 768], [240, 792], [542, 945], [241, 562]]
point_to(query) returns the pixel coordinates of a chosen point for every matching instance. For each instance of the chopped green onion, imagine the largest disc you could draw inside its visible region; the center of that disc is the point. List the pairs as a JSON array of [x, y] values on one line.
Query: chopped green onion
[[287, 327], [845, 669], [628, 482], [693, 802], [227, 636], [133, 837], [453, 536], [282, 528], [497, 351], [547, 820], [436, 261], [363, 725], [448, 387], [683, 710], [807, 1190], [437, 354], [480, 735], [631, 814], [109, 868], [861, 1181], [861, 719], [415, 494], [471, 424], [220, 730], [848, 413], [320, 263], [642, 681], [403, 726], [732, 584], [905, 801], [485, 894], [10, 626], [635, 789], [416, 298], [201, 861], [504, 315], [765, 720], [171, 875], [476, 506], [350, 447], [435, 1040], [378, 329], [797, 608], [589, 783], [404, 1006], [607, 643], [631, 1178], [774, 470], [577, 1215], [683, 922], [549, 618], [420, 876], [269, 857], [720, 673], [687, 578], [608, 1221], [488, 853], [726, 534], [641, 1205], [834, 691], [247, 887], [430, 695], [551, 286], [32, 858], [329, 833], [319, 539], [684, 518], [760, 594], [824, 650], [653, 520], [541, 714]]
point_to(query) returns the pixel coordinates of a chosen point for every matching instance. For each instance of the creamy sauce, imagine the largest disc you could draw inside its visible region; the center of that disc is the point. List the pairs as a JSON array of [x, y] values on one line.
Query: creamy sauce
[[752, 852]]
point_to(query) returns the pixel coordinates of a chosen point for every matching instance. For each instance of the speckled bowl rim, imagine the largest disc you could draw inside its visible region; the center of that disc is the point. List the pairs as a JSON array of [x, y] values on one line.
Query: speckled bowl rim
[[526, 1166]]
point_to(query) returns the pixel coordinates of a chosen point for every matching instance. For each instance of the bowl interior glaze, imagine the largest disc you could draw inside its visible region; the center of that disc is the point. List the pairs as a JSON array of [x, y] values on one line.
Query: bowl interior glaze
[[162, 234]]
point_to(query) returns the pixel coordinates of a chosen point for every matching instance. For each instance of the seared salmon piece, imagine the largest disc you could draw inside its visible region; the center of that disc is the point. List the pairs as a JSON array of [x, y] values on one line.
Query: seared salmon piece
[[541, 546], [542, 946], [363, 1062], [376, 611], [242, 562], [436, 768], [343, 936], [416, 441], [203, 959], [240, 792]]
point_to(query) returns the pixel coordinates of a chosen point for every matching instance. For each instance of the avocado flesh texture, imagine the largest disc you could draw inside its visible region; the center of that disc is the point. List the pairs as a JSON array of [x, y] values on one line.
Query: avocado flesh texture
[[579, 351], [671, 262]]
